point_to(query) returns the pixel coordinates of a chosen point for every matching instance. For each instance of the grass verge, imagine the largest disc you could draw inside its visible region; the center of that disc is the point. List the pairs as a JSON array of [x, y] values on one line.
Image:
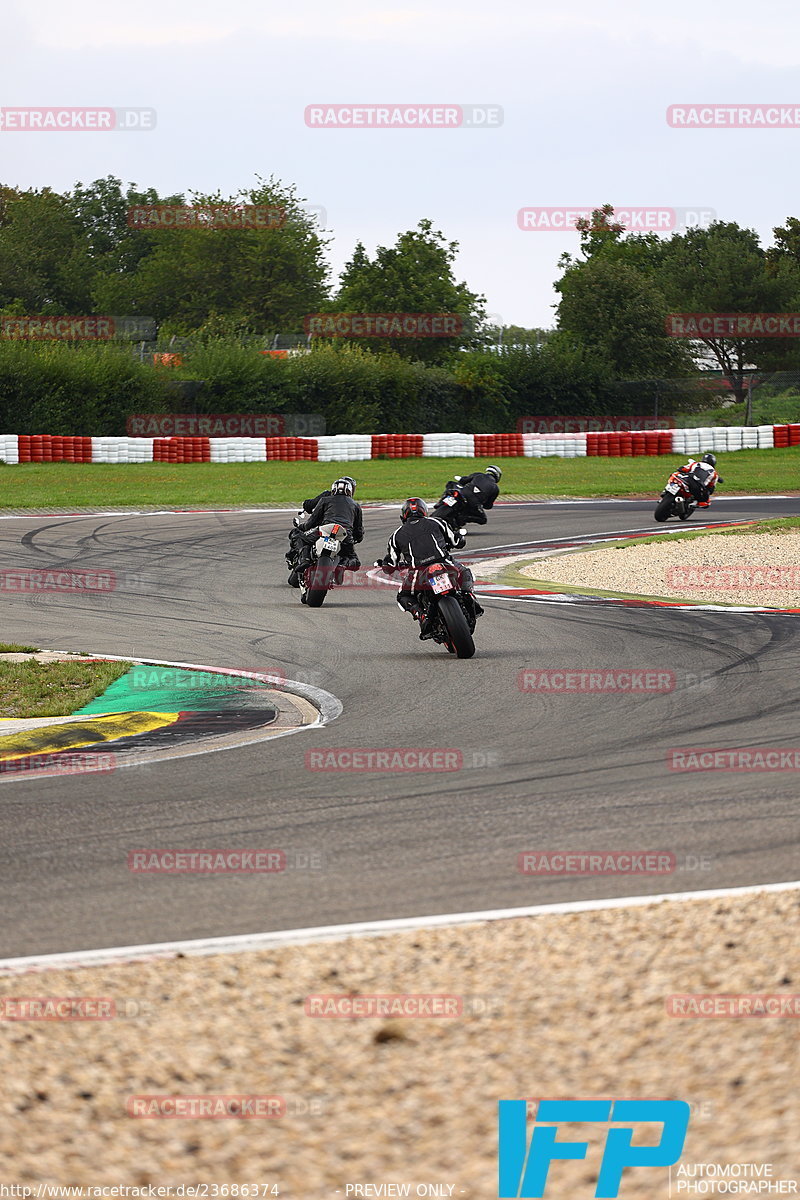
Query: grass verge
[[776, 525], [81, 485], [52, 689]]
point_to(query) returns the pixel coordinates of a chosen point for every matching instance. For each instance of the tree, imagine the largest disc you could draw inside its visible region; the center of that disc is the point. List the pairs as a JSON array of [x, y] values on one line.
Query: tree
[[413, 276], [264, 280], [611, 304], [723, 269], [618, 313], [45, 266]]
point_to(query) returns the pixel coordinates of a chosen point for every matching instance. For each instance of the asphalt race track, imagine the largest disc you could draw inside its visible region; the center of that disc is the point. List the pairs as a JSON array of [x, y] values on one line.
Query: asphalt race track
[[541, 772]]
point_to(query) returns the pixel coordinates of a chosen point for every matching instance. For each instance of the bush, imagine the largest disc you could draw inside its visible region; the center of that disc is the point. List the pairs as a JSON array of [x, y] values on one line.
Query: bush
[[53, 387]]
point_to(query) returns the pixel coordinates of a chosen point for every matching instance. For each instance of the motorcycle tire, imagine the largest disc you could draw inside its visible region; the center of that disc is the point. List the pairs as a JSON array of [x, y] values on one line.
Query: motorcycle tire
[[460, 638], [319, 580], [684, 516], [663, 509]]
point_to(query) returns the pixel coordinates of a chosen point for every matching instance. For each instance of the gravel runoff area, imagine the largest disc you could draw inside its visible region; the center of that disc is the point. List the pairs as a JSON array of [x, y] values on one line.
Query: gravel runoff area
[[555, 1005], [759, 570]]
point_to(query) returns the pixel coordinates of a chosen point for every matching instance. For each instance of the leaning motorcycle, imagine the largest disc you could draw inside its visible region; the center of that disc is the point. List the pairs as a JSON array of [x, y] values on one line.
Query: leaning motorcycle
[[676, 500], [446, 607], [325, 569], [452, 507]]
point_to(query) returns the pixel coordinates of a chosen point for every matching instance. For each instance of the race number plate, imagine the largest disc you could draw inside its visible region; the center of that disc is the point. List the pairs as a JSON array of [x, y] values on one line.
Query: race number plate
[[441, 583], [449, 501], [330, 543]]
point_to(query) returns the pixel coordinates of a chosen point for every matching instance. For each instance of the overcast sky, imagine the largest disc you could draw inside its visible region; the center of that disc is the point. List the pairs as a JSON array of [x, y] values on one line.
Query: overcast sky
[[583, 88]]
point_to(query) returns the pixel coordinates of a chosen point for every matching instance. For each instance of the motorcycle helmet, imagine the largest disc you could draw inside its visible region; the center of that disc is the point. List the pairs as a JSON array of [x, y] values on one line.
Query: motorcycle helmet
[[414, 509], [710, 458], [494, 471], [342, 487], [350, 479]]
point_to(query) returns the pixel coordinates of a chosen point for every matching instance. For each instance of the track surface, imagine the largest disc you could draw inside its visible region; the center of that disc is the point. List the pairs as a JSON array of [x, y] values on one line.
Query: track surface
[[552, 772]]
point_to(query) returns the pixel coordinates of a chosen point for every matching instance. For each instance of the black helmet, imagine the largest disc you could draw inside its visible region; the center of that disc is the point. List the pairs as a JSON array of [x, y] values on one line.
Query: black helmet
[[494, 471], [342, 487], [414, 509], [710, 458]]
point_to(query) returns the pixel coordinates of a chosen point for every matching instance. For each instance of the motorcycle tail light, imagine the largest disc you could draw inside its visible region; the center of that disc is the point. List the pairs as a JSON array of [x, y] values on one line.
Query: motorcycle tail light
[[434, 567]]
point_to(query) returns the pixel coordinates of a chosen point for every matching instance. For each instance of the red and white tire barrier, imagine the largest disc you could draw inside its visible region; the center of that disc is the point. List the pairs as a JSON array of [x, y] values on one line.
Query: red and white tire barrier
[[346, 447]]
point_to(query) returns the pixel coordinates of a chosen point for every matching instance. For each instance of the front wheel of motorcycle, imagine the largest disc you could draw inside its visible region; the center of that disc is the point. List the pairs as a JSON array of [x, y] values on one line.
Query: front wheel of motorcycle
[[457, 628], [663, 509]]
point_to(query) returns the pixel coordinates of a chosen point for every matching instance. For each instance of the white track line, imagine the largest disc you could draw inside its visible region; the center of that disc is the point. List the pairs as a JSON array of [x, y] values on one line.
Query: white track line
[[328, 933], [373, 504]]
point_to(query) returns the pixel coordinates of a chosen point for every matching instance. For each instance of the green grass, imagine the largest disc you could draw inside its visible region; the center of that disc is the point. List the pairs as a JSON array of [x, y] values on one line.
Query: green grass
[[16, 648], [54, 689], [81, 485], [776, 525]]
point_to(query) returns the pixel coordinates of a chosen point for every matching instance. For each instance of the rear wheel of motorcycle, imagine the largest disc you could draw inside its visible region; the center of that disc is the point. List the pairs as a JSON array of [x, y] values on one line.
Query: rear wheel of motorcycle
[[319, 580], [684, 516], [457, 627], [663, 509]]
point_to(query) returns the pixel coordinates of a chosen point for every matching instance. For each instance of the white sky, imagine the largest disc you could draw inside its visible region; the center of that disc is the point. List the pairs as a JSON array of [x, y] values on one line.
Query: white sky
[[584, 91]]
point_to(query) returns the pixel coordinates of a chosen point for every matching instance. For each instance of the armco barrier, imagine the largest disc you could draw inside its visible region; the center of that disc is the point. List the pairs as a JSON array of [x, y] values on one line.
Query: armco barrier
[[47, 448]]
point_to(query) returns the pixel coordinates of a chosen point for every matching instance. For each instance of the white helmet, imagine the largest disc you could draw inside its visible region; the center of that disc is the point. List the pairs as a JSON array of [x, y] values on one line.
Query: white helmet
[[343, 487]]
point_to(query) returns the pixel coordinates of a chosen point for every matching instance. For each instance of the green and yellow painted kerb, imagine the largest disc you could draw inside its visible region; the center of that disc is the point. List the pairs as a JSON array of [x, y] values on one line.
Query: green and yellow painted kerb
[[154, 712]]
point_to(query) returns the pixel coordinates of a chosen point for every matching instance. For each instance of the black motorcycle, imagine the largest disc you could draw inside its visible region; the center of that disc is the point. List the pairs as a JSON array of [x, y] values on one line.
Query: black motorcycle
[[452, 507], [447, 608], [326, 569]]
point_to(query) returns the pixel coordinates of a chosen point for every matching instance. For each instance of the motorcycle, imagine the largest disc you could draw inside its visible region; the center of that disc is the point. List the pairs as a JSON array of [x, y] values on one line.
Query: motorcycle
[[676, 499], [449, 613], [451, 507], [325, 570]]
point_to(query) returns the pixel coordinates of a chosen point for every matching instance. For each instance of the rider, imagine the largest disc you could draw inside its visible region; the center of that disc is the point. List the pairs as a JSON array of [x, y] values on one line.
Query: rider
[[701, 478], [418, 542], [296, 539], [336, 507], [479, 491]]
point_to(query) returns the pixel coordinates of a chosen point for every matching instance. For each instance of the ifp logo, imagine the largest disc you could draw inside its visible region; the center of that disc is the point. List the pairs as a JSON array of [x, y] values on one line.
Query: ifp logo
[[524, 1169]]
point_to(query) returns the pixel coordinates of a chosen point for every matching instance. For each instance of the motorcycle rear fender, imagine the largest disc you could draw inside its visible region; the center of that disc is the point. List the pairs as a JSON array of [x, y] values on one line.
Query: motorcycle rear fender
[[328, 531]]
